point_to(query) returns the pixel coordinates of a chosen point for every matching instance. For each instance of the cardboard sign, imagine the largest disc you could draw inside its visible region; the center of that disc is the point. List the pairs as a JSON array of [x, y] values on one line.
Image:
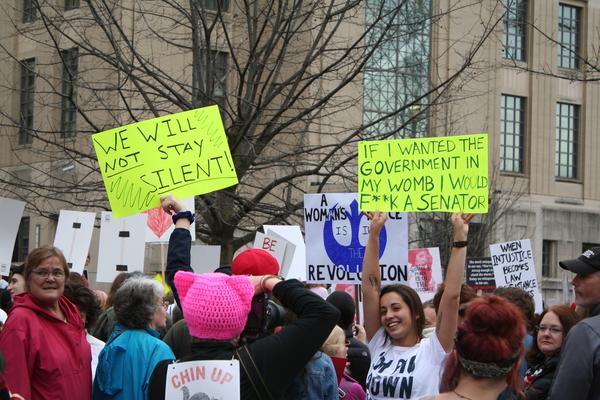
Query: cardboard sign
[[121, 247], [480, 273], [514, 267], [336, 237], [293, 235], [430, 174], [425, 271], [73, 237], [205, 258], [203, 380], [280, 248], [184, 154], [160, 224], [11, 212]]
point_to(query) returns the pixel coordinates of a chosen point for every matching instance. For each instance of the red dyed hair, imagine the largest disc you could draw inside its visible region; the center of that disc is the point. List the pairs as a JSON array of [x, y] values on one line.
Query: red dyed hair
[[493, 331]]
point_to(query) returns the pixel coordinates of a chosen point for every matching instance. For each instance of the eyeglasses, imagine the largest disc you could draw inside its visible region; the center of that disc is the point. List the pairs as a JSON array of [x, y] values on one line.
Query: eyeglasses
[[555, 330], [44, 273]]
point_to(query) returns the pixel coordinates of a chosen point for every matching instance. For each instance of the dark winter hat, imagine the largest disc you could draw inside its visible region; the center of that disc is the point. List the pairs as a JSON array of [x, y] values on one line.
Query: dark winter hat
[[17, 269], [344, 302], [586, 263]]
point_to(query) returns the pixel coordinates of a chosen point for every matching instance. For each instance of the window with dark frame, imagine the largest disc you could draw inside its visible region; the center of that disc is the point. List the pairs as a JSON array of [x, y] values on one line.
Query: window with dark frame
[[512, 133], [26, 101], [396, 77], [514, 44], [213, 88], [21, 248], [546, 258], [71, 4], [29, 10], [569, 25], [213, 5], [567, 126], [70, 59]]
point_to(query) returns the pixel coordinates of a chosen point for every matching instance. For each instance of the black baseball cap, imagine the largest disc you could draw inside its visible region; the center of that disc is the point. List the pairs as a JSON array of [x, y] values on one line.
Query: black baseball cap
[[586, 263]]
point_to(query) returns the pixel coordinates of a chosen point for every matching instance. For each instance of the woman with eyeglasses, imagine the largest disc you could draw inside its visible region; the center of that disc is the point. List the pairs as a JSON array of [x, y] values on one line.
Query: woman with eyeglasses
[[43, 340], [555, 323]]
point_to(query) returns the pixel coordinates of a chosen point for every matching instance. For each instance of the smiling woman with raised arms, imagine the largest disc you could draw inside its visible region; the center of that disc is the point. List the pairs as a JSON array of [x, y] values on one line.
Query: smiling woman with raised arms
[[404, 365], [43, 340]]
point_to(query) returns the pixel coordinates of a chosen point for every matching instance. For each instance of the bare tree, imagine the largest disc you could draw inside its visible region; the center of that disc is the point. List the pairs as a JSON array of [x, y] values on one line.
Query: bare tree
[[288, 76]]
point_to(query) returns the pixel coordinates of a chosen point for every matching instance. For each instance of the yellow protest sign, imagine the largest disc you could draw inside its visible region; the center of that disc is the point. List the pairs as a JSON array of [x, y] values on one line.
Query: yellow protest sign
[[183, 154], [430, 174]]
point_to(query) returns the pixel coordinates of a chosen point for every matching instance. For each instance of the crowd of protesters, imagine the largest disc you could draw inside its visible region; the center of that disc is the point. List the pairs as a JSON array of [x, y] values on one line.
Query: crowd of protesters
[[60, 339]]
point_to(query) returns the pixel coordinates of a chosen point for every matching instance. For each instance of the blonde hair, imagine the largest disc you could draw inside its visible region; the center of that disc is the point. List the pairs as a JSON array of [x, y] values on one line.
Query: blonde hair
[[335, 344]]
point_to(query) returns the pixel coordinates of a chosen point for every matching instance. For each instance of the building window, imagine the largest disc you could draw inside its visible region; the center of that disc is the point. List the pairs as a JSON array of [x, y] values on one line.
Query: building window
[[68, 118], [29, 10], [71, 4], [22, 242], [212, 89], [512, 133], [213, 5], [27, 97], [568, 36], [567, 125], [396, 76], [515, 29], [547, 248]]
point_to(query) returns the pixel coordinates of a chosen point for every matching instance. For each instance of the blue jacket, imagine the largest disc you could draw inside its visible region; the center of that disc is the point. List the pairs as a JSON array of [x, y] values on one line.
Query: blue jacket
[[126, 363], [316, 381]]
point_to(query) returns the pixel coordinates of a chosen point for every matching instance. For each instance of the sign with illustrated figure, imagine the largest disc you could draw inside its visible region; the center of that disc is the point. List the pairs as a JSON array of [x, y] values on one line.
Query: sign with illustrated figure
[[73, 237], [514, 267], [160, 224], [203, 380], [447, 174], [122, 245], [11, 212], [183, 154], [336, 237], [424, 271]]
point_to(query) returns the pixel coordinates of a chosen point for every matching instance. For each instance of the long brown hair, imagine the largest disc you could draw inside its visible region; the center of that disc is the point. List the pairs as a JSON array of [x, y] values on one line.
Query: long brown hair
[[567, 317], [413, 301]]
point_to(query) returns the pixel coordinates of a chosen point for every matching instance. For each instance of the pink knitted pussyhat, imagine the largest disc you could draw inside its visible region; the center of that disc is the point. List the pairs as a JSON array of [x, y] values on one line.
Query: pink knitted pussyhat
[[215, 305]]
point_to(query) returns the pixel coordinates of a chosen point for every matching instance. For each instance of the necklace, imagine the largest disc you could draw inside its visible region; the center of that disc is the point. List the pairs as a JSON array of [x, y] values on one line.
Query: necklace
[[461, 396]]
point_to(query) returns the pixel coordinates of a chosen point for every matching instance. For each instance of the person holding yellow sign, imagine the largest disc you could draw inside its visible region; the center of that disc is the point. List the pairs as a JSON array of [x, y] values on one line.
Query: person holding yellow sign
[[404, 365]]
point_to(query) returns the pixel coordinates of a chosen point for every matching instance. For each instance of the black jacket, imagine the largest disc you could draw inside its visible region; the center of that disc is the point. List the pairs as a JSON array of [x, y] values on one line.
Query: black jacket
[[540, 379], [279, 357]]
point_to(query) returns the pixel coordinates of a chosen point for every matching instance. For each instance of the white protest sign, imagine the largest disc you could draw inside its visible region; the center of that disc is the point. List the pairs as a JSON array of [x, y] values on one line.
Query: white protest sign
[[272, 245], [205, 258], [203, 380], [292, 234], [121, 247], [11, 212], [280, 248], [514, 267], [424, 271], [336, 237], [160, 224], [288, 256], [73, 237]]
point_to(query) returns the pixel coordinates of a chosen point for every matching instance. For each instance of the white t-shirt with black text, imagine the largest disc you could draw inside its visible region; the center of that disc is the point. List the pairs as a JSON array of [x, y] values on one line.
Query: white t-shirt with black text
[[404, 372]]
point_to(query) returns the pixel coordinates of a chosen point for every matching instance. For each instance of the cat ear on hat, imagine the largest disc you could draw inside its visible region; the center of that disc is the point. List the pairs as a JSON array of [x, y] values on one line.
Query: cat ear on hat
[[244, 287], [183, 282]]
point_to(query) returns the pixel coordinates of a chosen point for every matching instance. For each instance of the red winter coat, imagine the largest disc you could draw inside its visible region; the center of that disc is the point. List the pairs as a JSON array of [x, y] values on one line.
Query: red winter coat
[[46, 358]]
